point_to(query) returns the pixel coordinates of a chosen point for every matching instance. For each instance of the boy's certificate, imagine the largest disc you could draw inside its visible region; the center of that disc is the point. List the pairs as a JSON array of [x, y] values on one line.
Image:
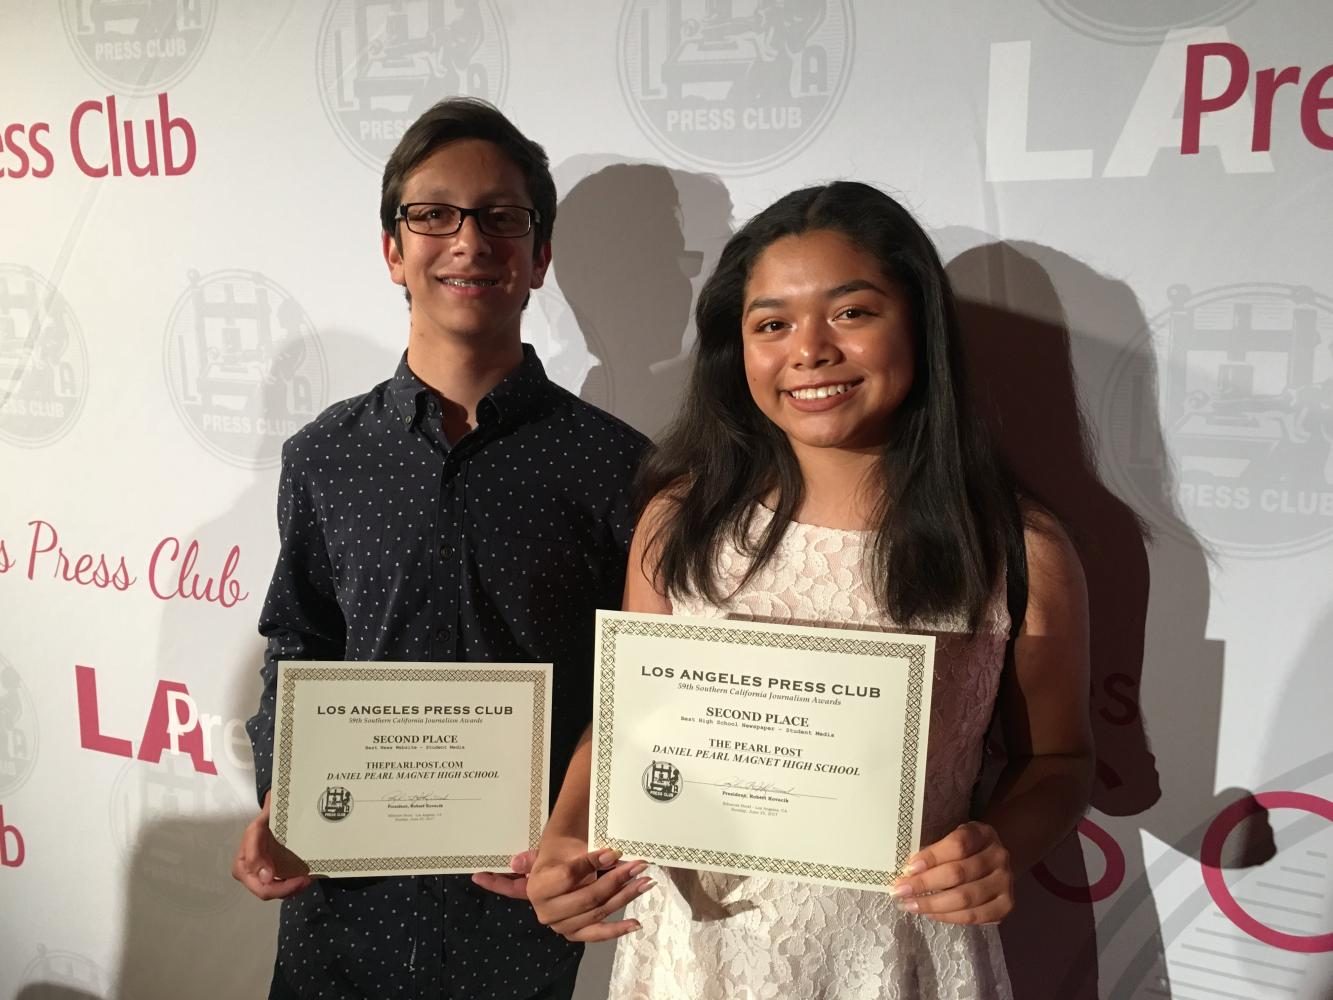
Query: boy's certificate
[[760, 749], [410, 768]]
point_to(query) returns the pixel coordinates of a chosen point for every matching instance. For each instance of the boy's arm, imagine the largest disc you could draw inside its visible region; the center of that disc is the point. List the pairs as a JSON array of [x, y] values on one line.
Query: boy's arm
[[302, 621], [301, 617]]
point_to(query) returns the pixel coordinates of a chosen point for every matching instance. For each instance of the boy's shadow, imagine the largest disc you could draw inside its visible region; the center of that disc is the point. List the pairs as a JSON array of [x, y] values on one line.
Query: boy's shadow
[[189, 928], [1025, 353], [631, 241]]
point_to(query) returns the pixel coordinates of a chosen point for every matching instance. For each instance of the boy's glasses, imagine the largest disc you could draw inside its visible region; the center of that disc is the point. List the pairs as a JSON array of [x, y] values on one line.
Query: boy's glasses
[[435, 219]]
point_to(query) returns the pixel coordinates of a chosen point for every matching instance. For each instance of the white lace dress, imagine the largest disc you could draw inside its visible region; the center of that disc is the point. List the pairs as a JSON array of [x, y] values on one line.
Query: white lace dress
[[709, 936]]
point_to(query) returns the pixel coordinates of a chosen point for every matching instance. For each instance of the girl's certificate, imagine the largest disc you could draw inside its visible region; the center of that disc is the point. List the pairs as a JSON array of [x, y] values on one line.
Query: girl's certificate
[[410, 768], [760, 749]]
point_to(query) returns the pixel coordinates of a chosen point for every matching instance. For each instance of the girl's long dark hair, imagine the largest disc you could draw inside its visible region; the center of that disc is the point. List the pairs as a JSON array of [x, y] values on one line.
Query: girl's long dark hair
[[948, 518]]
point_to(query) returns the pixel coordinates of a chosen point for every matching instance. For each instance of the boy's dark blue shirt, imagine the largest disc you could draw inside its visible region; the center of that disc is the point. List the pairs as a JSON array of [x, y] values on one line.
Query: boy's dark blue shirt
[[397, 546]]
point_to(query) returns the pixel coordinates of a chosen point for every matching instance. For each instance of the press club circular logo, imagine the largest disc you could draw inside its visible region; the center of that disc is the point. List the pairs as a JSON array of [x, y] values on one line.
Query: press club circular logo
[[139, 47], [661, 781], [1142, 22], [43, 360], [739, 86], [177, 829], [335, 803], [380, 64], [18, 731], [1222, 412], [55, 972], [243, 366]]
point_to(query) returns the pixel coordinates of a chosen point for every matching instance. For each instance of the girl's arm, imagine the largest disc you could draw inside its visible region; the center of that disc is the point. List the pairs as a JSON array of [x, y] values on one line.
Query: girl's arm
[[1043, 706], [572, 889], [968, 877]]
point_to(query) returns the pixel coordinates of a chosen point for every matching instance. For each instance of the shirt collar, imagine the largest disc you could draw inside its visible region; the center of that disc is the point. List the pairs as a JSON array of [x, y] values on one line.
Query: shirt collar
[[519, 395]]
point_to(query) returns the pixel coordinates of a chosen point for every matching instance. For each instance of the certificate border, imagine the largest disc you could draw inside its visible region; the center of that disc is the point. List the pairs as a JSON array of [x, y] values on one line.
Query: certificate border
[[291, 674], [915, 654]]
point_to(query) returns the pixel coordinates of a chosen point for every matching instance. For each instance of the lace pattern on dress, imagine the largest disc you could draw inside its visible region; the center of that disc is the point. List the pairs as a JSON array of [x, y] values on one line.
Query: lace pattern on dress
[[710, 936]]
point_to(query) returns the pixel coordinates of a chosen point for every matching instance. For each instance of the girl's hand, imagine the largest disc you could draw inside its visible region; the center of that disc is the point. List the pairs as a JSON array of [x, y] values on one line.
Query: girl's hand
[[965, 878], [574, 890]]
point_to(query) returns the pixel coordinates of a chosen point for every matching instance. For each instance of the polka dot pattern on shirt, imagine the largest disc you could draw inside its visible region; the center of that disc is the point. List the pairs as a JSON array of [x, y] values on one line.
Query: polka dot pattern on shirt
[[396, 544]]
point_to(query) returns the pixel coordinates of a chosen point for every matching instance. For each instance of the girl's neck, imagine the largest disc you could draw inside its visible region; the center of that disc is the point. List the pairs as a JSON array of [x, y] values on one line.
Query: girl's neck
[[842, 488]]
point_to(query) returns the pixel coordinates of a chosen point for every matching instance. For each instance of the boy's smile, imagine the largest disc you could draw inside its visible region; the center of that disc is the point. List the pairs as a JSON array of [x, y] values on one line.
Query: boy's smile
[[467, 285]]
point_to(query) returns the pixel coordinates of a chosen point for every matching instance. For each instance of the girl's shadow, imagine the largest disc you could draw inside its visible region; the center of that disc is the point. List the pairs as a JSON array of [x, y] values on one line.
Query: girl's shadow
[[1026, 356]]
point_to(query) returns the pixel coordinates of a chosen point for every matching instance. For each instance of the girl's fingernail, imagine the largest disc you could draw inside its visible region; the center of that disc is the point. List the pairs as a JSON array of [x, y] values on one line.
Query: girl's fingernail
[[645, 885], [638, 868], [913, 868], [901, 889], [908, 905], [606, 859]]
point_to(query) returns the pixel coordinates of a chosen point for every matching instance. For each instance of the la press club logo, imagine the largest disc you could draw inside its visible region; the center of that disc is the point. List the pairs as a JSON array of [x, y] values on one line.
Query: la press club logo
[[243, 366], [381, 63], [18, 731], [43, 360], [737, 85], [661, 781], [1141, 22], [162, 816], [1222, 411], [56, 972], [142, 47]]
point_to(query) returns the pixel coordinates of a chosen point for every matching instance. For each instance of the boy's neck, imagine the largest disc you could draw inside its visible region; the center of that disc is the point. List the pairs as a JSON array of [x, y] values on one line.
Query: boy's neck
[[461, 372]]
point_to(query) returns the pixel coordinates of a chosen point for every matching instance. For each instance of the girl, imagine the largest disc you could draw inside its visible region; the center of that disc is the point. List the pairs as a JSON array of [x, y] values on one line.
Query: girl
[[825, 470]]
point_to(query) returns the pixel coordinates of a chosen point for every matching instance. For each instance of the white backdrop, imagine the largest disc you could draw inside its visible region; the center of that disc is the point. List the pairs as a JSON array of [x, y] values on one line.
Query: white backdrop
[[175, 302]]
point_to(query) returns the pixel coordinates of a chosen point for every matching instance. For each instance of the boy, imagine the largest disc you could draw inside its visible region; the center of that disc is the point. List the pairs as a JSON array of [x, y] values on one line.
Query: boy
[[467, 509]]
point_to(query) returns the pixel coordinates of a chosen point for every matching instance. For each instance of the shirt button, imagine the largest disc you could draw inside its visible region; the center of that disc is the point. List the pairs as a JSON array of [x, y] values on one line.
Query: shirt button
[[446, 550], [442, 634]]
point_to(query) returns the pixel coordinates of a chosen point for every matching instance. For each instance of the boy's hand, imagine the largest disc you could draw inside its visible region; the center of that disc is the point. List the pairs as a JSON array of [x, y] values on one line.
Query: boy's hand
[[514, 885], [264, 866]]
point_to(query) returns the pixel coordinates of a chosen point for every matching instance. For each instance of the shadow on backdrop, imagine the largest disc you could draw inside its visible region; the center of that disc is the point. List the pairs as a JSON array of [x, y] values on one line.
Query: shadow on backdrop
[[189, 928], [1297, 740], [1298, 757], [631, 241], [62, 975], [1035, 321]]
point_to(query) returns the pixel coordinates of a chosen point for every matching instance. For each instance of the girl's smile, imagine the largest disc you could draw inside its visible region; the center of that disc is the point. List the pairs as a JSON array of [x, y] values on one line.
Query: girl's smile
[[827, 341]]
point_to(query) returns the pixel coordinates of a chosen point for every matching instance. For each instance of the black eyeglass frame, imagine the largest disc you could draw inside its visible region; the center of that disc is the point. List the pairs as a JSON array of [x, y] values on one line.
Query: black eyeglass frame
[[464, 214]]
